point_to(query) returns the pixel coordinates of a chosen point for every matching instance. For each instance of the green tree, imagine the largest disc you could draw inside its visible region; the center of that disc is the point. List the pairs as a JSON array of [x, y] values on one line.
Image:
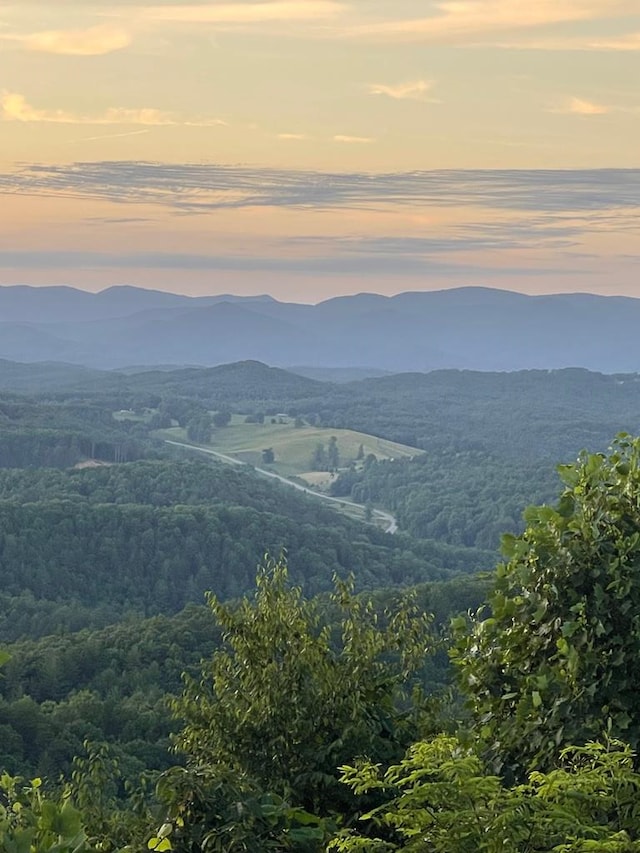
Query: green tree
[[115, 811], [555, 657], [442, 799], [333, 455], [222, 418], [199, 429], [283, 704]]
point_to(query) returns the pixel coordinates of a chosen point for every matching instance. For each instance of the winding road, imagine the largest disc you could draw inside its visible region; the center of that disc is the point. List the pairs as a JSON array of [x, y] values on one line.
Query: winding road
[[387, 517]]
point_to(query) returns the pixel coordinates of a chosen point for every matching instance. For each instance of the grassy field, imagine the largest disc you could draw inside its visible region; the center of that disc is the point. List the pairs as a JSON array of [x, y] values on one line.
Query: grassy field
[[293, 446]]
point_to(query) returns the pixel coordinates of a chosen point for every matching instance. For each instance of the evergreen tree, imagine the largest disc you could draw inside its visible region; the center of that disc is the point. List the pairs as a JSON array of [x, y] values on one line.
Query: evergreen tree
[[319, 458], [333, 456]]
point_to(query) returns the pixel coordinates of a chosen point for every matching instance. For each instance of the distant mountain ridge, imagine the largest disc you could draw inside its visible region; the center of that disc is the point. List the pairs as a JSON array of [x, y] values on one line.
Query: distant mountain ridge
[[462, 328]]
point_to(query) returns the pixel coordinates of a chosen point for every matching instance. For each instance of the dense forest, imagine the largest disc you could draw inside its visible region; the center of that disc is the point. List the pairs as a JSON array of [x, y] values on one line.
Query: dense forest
[[358, 684], [84, 548], [465, 498]]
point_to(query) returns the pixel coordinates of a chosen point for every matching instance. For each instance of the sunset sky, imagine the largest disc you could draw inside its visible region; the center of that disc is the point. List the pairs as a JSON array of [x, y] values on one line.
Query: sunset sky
[[309, 148]]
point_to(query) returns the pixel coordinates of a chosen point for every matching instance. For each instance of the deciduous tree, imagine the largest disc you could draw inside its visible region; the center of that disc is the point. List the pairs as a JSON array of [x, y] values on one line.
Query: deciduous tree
[[285, 702], [555, 657]]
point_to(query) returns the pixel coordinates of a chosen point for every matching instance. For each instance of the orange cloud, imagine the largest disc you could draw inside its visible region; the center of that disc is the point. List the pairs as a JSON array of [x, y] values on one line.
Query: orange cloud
[[461, 20], [246, 13], [353, 140], [586, 108], [416, 90], [623, 43], [581, 107], [15, 107], [95, 41]]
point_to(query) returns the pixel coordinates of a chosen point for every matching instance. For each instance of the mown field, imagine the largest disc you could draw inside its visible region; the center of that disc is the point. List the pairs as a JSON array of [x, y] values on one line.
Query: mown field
[[294, 446]]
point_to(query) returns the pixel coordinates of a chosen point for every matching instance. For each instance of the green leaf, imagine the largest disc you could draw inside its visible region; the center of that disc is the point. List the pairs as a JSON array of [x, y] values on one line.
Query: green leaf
[[160, 845]]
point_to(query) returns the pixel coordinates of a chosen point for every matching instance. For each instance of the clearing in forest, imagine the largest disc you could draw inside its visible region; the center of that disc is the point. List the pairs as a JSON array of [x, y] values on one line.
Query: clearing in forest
[[296, 449]]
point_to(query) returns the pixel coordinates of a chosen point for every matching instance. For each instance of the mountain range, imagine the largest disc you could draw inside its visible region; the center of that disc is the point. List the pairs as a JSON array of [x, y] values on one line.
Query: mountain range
[[465, 328]]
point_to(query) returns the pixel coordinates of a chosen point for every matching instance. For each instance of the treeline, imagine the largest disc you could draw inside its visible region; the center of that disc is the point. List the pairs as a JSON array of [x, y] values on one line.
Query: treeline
[[531, 414], [50, 434], [48, 448], [525, 415], [491, 440], [243, 385]]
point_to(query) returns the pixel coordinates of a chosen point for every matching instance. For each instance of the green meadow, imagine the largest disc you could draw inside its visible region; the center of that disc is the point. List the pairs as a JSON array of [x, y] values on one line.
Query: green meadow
[[293, 446]]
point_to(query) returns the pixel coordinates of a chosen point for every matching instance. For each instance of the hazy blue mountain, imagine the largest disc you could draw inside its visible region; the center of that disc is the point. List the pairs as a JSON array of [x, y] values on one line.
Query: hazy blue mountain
[[30, 342], [67, 304], [464, 328]]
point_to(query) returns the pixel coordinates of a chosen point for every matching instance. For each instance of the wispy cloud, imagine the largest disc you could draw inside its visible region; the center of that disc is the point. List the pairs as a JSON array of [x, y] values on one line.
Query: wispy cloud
[[500, 212], [529, 233], [111, 136], [198, 188], [245, 13], [622, 43], [329, 264], [464, 20], [353, 140], [294, 137], [15, 107], [415, 90], [582, 107], [94, 41]]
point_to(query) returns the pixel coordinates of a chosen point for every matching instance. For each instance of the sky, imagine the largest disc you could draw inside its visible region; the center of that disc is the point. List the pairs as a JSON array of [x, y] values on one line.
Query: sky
[[312, 148]]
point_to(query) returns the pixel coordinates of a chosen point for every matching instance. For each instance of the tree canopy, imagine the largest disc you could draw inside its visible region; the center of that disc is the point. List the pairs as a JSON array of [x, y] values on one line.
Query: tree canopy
[[555, 656], [286, 700]]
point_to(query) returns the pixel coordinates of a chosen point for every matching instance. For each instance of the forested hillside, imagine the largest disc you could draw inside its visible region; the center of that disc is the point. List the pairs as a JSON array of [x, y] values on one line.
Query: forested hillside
[[465, 498], [491, 441], [86, 547], [531, 414]]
